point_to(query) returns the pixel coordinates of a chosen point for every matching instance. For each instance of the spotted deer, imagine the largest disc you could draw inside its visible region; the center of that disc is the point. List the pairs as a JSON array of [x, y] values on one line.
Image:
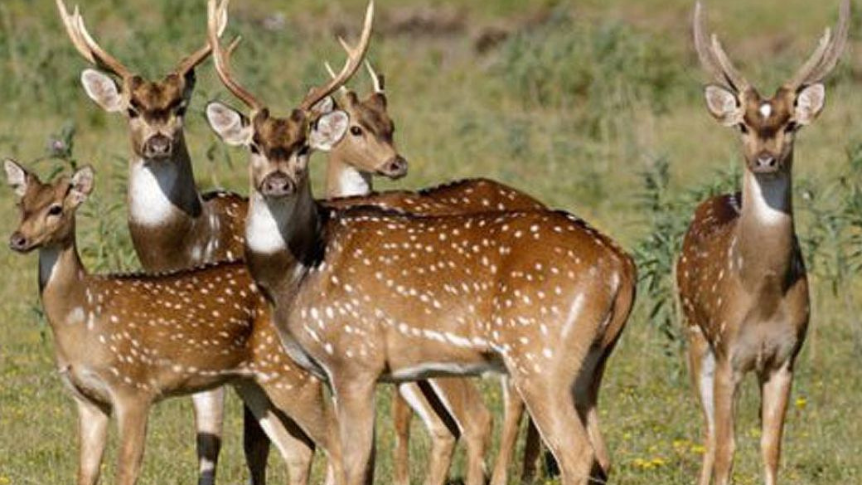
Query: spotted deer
[[449, 407], [446, 295], [125, 342], [741, 277], [172, 224]]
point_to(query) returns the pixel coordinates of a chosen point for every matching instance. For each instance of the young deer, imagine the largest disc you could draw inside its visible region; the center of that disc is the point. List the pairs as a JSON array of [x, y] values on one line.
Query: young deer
[[173, 226], [741, 278], [124, 342], [448, 295]]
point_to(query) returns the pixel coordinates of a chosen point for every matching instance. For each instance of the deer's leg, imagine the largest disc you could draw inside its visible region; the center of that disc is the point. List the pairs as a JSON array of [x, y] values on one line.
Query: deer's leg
[[209, 419], [586, 397], [513, 410], [132, 415], [701, 362], [443, 438], [553, 411], [532, 452], [775, 393], [401, 417], [293, 444], [92, 437], [354, 402], [726, 383], [255, 444], [466, 407]]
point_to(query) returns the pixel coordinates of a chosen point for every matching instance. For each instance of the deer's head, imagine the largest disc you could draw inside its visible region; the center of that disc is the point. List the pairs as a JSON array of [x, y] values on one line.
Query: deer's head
[[155, 110], [47, 209], [280, 147], [768, 125], [369, 144]]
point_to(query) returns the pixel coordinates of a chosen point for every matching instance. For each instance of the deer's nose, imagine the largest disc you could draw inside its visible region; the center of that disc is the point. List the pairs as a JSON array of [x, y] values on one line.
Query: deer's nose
[[277, 184], [765, 163], [17, 242], [158, 146], [395, 168]]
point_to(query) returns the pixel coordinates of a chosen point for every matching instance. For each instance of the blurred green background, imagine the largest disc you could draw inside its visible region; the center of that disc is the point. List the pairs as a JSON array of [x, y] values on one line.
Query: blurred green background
[[592, 106]]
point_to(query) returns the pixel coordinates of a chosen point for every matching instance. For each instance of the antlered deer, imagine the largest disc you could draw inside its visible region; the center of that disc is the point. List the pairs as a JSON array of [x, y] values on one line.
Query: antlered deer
[[449, 295], [125, 342], [741, 278], [173, 226]]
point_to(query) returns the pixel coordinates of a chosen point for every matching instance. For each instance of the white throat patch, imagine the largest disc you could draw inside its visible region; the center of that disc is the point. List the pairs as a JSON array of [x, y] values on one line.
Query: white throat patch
[[352, 183], [48, 259], [149, 204], [265, 222], [768, 198]]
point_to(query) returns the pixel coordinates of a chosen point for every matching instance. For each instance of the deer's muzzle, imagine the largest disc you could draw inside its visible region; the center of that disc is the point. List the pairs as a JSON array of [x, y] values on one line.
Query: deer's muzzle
[[277, 184], [395, 168], [17, 242], [158, 146]]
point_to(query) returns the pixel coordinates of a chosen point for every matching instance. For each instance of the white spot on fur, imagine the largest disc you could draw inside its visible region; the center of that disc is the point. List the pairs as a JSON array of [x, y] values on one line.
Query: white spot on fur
[[766, 110]]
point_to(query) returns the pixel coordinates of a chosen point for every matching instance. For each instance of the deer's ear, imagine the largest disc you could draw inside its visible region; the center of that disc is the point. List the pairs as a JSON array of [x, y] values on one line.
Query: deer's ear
[[724, 105], [229, 124], [328, 130], [17, 177], [809, 103], [81, 186], [103, 90]]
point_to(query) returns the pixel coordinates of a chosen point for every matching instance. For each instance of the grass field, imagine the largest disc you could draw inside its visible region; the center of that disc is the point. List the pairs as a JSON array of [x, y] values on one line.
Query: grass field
[[578, 103]]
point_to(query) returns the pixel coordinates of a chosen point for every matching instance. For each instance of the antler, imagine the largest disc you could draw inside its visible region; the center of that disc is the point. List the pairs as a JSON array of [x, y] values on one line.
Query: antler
[[221, 58], [201, 54], [354, 60], [377, 79], [712, 56], [85, 44], [332, 74], [826, 55]]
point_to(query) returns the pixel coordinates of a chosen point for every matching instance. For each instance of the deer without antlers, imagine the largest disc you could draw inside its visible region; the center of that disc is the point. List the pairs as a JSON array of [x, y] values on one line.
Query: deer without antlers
[[741, 277], [125, 342], [471, 289], [366, 150]]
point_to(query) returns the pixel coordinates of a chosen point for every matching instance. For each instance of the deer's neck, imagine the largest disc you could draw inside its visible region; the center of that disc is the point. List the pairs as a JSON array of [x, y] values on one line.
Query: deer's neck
[[163, 192], [765, 240], [344, 180], [62, 282], [283, 239]]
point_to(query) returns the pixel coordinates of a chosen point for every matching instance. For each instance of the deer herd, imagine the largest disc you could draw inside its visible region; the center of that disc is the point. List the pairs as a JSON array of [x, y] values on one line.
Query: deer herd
[[305, 305]]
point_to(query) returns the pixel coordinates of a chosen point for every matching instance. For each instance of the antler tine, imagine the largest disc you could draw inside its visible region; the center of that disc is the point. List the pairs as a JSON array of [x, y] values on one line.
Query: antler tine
[[86, 46], [375, 78], [354, 60], [828, 51], [192, 61], [342, 89], [712, 55], [222, 58]]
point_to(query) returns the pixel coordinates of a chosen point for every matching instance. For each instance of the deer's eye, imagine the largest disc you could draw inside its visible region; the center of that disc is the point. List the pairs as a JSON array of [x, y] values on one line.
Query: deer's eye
[[355, 131], [55, 210], [743, 129], [791, 127], [303, 151], [254, 149], [133, 113]]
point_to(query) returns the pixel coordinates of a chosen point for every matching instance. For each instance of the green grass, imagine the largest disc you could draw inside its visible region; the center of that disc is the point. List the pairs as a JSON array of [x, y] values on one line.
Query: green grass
[[574, 109]]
